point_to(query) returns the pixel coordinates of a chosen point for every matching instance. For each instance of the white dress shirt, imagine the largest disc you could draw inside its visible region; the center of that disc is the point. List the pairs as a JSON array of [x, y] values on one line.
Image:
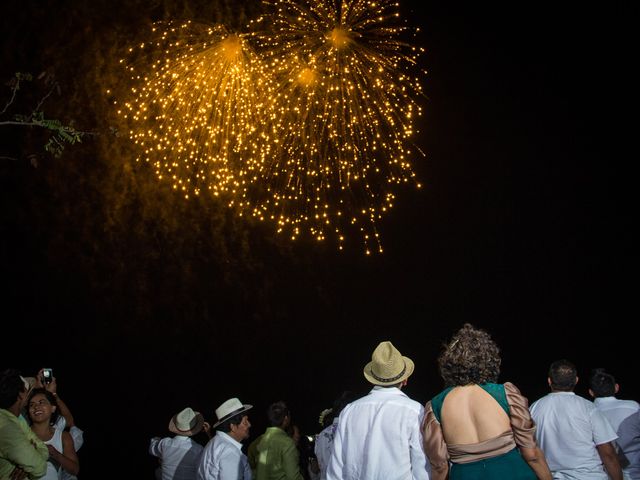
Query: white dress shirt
[[568, 429], [222, 459], [378, 438], [179, 456], [624, 417]]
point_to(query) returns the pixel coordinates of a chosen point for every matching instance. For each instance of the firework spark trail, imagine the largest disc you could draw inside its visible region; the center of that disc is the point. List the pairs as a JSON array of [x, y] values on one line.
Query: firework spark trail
[[197, 110], [346, 107]]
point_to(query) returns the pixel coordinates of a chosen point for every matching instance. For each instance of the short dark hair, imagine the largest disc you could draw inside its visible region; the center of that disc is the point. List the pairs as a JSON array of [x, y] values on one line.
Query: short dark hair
[[277, 412], [11, 385], [235, 420], [563, 375], [602, 384]]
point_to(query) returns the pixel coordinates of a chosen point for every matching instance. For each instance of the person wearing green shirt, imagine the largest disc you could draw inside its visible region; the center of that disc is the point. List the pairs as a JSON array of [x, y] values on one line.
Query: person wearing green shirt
[[273, 455], [22, 453]]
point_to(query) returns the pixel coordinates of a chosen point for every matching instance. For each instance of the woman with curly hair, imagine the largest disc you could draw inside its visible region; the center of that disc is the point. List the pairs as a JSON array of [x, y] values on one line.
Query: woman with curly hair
[[477, 428]]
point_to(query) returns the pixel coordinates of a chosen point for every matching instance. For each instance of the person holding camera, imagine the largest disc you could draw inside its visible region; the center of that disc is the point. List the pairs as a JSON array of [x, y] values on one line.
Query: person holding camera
[[43, 413], [63, 420]]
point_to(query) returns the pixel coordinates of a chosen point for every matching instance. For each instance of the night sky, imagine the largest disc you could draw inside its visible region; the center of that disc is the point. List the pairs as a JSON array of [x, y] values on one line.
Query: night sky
[[144, 303]]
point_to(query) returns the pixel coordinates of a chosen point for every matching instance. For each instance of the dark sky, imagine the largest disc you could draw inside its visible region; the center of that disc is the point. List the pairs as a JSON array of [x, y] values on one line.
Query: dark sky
[[143, 304]]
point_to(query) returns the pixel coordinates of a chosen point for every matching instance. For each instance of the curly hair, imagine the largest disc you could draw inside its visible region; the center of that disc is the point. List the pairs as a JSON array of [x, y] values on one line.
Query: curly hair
[[470, 357]]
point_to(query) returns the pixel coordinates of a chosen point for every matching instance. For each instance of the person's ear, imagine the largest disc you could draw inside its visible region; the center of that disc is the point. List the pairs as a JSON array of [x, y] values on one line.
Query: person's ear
[[591, 393], [549, 381], [616, 388]]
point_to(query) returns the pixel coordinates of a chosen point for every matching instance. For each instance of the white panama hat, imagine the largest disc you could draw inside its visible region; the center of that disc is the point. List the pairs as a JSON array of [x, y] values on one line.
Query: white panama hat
[[230, 408]]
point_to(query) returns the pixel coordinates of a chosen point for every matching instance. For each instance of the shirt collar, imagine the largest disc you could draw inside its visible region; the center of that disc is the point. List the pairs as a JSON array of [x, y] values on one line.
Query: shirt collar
[[604, 400], [227, 438], [388, 390]]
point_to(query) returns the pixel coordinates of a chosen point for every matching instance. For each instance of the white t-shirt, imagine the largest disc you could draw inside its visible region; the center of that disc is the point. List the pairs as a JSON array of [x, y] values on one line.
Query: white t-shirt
[[568, 429], [624, 416]]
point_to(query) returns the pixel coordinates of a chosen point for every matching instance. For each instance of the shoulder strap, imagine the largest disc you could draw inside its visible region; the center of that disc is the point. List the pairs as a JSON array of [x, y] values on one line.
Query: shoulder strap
[[496, 390], [437, 401]]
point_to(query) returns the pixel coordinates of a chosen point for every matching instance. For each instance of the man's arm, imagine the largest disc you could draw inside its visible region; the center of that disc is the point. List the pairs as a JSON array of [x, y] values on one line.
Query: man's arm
[[537, 461], [291, 462], [420, 466], [336, 463], [24, 449], [156, 446], [609, 458], [252, 455]]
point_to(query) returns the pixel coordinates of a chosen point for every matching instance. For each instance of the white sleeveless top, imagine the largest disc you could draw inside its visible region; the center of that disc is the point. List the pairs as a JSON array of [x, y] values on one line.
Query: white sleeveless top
[[53, 469]]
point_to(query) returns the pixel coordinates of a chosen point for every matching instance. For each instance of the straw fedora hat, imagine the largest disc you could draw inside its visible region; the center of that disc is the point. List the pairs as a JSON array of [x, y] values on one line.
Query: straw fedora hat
[[228, 409], [387, 366], [186, 423]]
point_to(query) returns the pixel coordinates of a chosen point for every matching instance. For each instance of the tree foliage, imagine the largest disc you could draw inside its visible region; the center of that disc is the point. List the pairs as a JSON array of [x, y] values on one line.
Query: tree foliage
[[59, 133]]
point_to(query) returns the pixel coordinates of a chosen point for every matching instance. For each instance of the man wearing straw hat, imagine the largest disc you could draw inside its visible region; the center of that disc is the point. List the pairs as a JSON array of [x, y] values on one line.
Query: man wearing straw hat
[[179, 455], [222, 458], [378, 436]]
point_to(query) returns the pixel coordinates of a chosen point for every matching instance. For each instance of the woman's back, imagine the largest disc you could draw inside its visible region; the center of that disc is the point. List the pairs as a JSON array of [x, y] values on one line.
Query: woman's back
[[471, 415]]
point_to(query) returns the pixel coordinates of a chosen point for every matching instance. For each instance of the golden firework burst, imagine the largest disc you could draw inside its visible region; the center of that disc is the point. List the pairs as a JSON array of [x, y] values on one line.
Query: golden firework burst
[[197, 107], [346, 105], [305, 120]]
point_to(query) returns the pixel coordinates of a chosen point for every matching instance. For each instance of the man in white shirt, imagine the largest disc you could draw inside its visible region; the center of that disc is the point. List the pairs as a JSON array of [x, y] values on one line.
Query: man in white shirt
[[179, 455], [576, 439], [624, 417], [378, 436], [222, 458]]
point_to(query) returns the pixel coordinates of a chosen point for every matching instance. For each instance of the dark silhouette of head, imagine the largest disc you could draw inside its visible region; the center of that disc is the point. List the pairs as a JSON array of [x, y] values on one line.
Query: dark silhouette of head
[[278, 414], [601, 383]]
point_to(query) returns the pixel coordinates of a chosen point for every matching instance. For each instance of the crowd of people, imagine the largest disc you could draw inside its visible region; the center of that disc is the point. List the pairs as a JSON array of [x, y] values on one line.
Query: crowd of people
[[476, 428]]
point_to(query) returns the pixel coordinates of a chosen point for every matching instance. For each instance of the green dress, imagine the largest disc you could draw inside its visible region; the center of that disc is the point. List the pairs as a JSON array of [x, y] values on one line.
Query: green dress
[[509, 465]]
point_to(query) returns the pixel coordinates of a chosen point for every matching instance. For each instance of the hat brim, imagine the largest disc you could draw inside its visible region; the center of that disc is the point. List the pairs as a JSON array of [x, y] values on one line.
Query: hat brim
[[235, 414], [368, 374], [187, 433]]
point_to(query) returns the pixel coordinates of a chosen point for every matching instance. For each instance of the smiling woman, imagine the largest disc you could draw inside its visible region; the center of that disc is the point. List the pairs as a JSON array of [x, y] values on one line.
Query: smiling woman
[[43, 413]]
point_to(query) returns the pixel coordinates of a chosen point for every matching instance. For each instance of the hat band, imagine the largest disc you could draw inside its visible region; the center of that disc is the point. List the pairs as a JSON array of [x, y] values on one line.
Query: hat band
[[231, 414], [389, 380]]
